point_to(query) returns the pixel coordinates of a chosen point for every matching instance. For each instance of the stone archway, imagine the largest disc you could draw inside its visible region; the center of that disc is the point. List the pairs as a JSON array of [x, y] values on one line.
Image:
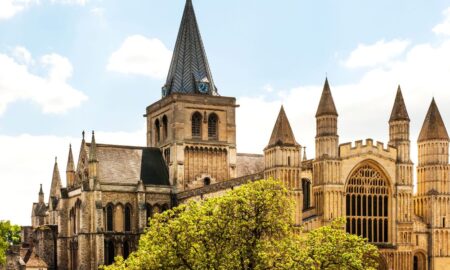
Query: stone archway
[[419, 261], [382, 264]]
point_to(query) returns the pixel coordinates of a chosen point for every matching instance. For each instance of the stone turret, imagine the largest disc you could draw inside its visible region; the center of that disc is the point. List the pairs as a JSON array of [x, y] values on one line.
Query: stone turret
[[328, 188], [41, 195], [282, 158], [433, 192]]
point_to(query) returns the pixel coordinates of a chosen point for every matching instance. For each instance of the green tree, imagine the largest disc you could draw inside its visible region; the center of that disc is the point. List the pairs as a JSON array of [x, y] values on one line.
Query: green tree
[[9, 235], [250, 227]]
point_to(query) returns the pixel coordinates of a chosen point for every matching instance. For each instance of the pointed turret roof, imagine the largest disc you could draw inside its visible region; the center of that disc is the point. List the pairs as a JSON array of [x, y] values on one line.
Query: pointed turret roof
[[399, 111], [282, 133], [55, 188], [70, 163], [433, 127], [189, 64], [326, 104], [41, 192]]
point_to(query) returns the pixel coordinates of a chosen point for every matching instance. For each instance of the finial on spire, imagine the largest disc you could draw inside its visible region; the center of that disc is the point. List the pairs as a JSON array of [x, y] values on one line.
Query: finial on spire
[[56, 159], [304, 154], [40, 190], [83, 133], [93, 149]]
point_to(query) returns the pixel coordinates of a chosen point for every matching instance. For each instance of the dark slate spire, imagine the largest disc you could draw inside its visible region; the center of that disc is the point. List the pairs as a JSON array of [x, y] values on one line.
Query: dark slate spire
[[399, 111], [70, 163], [433, 127], [41, 195], [93, 149], [326, 104], [282, 133], [189, 71]]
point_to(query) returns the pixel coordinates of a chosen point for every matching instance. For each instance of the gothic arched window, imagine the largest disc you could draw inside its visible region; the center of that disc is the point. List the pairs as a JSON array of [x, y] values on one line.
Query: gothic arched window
[[127, 218], [109, 218], [126, 249], [306, 187], [157, 131], [212, 126], [367, 203], [196, 125], [165, 127]]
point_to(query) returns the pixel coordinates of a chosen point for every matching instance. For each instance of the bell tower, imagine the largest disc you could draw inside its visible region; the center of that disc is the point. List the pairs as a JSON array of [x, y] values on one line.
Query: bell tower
[[193, 125]]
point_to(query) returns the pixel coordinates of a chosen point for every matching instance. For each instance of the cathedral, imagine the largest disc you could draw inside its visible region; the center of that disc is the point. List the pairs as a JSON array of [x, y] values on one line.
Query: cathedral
[[112, 190]]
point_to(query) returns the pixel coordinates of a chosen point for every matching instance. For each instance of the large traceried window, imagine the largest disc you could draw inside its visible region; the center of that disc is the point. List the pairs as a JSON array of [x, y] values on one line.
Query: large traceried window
[[196, 125], [367, 204]]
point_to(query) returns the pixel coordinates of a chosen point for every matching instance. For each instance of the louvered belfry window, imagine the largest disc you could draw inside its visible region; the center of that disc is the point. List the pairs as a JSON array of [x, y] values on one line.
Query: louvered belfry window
[[196, 125], [367, 204], [212, 126]]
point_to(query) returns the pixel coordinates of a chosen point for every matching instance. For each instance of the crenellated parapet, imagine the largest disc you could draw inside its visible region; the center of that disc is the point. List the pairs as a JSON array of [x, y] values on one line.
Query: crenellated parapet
[[367, 147]]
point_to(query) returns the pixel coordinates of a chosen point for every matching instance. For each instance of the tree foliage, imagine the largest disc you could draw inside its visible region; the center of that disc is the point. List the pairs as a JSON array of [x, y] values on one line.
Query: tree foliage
[[9, 235], [250, 227]]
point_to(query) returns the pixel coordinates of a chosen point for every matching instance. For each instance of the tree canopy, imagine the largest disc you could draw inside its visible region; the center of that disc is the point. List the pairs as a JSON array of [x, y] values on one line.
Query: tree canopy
[[9, 235], [250, 227]]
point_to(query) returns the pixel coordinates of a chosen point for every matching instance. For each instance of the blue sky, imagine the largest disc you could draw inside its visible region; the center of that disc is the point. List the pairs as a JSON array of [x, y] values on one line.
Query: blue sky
[[70, 65]]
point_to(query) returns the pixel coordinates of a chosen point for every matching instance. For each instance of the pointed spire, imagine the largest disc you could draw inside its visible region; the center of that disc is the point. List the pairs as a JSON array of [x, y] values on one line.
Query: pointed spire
[[399, 111], [282, 133], [326, 104], [93, 149], [55, 188], [41, 195], [70, 163], [433, 127], [304, 154], [189, 71]]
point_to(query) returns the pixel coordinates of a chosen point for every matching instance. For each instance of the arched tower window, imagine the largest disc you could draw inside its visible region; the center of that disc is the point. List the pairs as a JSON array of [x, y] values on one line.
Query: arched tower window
[[165, 127], [212, 126], [109, 218], [306, 187], [149, 213], [157, 131], [127, 218], [367, 203], [196, 125], [207, 181]]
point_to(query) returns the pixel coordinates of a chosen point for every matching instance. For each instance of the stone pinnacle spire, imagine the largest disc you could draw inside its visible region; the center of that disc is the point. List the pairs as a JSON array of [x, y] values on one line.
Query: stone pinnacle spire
[[399, 111], [70, 163], [326, 104], [282, 133], [189, 71], [93, 149], [433, 127], [55, 188]]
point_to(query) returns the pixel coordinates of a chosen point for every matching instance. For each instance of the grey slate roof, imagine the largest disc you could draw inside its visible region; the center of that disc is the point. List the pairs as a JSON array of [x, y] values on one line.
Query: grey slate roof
[[399, 111], [118, 164], [189, 62]]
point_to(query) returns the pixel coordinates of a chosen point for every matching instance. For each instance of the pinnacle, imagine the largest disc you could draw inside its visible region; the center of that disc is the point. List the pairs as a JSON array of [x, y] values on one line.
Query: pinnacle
[[326, 104], [433, 127], [399, 111], [282, 133]]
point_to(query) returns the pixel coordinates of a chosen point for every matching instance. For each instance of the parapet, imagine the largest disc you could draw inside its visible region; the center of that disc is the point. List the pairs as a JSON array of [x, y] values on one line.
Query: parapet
[[367, 147]]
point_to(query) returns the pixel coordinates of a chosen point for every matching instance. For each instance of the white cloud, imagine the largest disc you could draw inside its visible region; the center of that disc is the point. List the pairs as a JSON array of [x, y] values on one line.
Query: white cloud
[[51, 91], [364, 105], [30, 162], [141, 56], [379, 53], [71, 2], [444, 27], [9, 8]]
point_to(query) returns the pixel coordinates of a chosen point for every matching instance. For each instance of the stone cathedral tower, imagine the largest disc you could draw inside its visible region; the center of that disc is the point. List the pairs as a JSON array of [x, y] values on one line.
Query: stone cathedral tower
[[193, 126], [328, 187], [433, 194], [282, 160]]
